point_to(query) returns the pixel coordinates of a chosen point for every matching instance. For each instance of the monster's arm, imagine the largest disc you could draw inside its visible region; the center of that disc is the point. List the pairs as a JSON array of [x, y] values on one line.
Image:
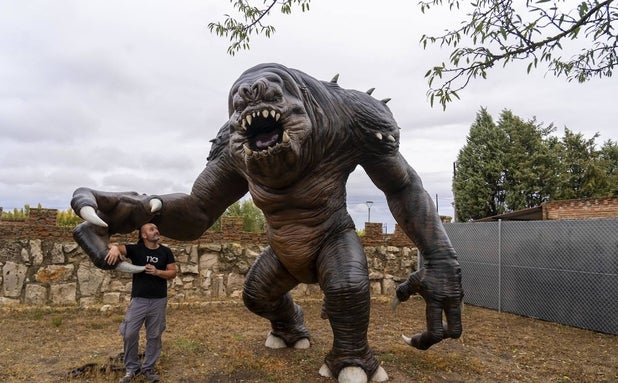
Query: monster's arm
[[179, 216], [412, 207], [439, 281]]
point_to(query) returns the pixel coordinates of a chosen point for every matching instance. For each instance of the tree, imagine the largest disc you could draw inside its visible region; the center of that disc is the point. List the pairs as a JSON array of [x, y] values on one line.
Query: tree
[[585, 172], [530, 162], [609, 161], [478, 180], [68, 218], [494, 32], [253, 218], [514, 165]]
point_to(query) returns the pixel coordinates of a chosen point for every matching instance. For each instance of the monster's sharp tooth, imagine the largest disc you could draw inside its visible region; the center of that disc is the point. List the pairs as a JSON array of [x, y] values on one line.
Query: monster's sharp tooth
[[286, 137], [247, 150], [264, 113], [270, 150], [254, 114], [390, 138], [379, 135], [272, 113], [264, 153], [277, 117], [248, 118], [243, 125]]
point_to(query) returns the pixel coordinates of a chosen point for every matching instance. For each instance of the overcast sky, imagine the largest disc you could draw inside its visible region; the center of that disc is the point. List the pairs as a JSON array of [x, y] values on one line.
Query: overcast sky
[[125, 95]]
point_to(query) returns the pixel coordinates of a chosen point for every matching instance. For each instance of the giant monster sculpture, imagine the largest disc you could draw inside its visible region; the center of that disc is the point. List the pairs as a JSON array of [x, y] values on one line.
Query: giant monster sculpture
[[291, 141]]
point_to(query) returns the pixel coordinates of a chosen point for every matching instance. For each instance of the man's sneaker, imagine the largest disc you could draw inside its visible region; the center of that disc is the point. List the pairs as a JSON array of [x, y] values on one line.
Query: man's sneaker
[[128, 377], [151, 376]]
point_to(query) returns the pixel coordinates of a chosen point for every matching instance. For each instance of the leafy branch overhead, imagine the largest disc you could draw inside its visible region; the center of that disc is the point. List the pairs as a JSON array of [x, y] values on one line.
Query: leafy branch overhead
[[239, 32], [493, 32], [534, 31]]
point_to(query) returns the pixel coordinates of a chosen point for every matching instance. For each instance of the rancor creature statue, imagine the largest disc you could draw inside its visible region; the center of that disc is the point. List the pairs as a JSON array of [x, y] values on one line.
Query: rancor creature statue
[[291, 141]]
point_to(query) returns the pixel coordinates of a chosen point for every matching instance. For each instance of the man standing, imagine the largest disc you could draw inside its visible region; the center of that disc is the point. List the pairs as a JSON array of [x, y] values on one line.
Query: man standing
[[148, 299]]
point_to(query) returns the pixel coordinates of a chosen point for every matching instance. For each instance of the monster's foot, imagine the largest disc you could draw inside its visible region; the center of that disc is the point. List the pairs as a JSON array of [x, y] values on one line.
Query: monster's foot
[[275, 342], [354, 374]]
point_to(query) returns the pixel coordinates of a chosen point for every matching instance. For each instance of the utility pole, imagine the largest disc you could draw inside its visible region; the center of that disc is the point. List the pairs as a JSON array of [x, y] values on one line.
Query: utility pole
[[369, 204]]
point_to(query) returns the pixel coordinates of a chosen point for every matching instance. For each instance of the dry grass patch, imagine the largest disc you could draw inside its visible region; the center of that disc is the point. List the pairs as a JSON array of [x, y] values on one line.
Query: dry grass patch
[[222, 342]]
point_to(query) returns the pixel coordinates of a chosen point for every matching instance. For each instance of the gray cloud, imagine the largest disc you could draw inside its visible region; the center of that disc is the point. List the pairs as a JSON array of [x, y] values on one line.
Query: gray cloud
[[122, 95]]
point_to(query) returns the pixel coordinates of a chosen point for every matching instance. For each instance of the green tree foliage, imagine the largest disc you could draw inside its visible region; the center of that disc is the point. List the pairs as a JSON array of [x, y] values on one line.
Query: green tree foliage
[[68, 218], [239, 30], [491, 33], [253, 218], [479, 170], [530, 162], [534, 32], [609, 161], [17, 214], [64, 218], [516, 164]]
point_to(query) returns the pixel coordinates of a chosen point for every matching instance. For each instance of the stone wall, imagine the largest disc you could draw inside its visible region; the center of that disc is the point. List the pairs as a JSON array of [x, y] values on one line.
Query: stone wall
[[42, 265]]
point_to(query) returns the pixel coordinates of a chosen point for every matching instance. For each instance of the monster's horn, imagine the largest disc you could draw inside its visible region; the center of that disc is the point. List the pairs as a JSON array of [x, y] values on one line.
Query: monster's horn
[[127, 267], [88, 214], [155, 205]]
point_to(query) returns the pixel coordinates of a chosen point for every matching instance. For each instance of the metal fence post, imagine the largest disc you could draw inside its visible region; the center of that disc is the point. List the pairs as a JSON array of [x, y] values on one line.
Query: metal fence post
[[499, 265]]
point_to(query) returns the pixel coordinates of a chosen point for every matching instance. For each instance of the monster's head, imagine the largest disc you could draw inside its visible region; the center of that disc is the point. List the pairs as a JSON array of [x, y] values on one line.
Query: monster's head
[[272, 116]]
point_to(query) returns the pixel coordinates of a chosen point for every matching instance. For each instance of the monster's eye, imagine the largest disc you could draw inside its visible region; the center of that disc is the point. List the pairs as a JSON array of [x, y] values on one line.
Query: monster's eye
[[239, 104]]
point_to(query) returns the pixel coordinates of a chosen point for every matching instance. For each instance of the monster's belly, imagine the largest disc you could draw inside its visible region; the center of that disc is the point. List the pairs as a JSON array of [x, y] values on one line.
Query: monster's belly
[[297, 248]]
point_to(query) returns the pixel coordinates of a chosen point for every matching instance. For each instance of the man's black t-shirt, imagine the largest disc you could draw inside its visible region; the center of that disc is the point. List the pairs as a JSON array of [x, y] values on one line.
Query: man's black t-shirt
[[146, 285]]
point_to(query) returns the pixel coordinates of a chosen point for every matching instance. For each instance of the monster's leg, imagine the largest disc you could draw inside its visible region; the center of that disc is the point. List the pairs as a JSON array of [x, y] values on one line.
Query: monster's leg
[[266, 293], [343, 276]]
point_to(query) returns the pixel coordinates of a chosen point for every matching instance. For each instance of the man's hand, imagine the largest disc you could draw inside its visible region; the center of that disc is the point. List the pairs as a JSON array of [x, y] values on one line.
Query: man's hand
[[151, 269], [113, 255], [440, 287]]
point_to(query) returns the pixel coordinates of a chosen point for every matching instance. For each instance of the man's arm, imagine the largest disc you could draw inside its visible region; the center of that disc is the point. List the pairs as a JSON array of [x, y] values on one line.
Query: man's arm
[[115, 253], [168, 273]]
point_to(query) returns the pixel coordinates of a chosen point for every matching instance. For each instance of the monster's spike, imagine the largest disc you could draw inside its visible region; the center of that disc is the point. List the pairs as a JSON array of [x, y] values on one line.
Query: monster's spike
[[386, 100], [335, 79], [370, 91]]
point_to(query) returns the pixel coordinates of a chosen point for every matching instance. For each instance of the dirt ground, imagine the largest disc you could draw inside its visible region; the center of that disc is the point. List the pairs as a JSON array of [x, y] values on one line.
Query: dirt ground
[[222, 342]]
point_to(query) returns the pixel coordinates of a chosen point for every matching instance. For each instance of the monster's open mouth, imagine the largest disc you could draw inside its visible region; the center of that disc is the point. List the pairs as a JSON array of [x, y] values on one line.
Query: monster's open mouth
[[263, 130]]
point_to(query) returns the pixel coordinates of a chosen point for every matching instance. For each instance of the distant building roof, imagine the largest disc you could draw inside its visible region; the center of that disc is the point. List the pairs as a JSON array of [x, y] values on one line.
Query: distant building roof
[[582, 208], [530, 214]]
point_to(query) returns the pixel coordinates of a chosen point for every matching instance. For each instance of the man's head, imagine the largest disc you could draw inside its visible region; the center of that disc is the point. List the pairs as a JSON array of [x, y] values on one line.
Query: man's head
[[149, 233]]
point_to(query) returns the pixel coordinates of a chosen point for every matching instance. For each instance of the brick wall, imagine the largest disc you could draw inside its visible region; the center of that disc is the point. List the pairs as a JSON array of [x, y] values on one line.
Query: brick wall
[[585, 208]]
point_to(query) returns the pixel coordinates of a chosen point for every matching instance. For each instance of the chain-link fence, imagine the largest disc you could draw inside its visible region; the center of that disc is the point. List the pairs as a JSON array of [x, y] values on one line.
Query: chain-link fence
[[559, 271]]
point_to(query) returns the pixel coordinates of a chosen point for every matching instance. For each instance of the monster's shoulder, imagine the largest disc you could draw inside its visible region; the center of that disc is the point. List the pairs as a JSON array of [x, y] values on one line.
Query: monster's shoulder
[[219, 143], [372, 123]]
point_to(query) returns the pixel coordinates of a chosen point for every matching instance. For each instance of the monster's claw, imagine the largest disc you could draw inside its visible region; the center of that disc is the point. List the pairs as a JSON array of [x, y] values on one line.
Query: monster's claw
[[155, 205], [274, 342], [325, 371], [89, 214], [394, 303], [354, 374], [406, 339], [380, 375], [302, 344]]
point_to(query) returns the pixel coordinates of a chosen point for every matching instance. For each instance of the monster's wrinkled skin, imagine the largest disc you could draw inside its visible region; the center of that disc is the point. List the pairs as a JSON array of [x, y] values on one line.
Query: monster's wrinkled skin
[[291, 142]]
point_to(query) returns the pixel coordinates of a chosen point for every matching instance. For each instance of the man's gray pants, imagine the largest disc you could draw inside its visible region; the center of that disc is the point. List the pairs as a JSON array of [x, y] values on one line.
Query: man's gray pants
[[150, 312]]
